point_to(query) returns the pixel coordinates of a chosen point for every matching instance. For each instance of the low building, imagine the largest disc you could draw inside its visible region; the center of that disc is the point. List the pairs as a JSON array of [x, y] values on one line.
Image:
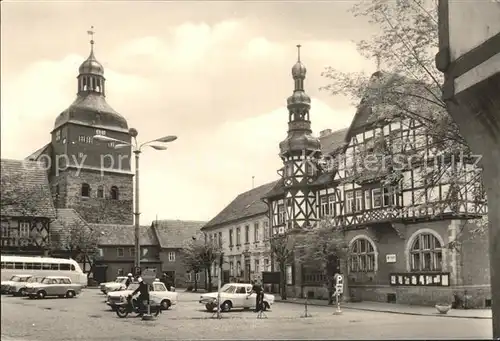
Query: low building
[[242, 230], [172, 235]]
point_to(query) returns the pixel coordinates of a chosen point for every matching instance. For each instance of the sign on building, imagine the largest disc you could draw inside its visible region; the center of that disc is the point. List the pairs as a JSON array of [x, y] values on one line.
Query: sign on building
[[420, 279], [390, 258]]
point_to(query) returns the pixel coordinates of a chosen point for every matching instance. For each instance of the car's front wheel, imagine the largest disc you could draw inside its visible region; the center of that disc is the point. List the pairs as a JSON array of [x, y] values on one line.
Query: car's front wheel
[[166, 304], [210, 307], [226, 306]]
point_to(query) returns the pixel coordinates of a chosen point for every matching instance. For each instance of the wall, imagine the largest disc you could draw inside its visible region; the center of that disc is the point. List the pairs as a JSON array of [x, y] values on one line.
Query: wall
[[177, 265], [94, 209]]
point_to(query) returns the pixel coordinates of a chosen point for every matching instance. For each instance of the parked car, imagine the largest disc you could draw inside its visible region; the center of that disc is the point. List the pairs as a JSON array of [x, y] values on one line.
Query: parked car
[[235, 296], [6, 285], [53, 286], [116, 285], [158, 294], [19, 288]]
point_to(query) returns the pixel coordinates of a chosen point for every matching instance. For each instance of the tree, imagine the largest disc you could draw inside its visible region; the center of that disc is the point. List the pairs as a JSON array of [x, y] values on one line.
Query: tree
[[199, 254], [76, 239], [282, 248], [324, 246], [408, 89]]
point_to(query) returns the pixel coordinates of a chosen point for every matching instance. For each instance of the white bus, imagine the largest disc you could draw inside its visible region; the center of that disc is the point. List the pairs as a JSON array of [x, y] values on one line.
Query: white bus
[[42, 266]]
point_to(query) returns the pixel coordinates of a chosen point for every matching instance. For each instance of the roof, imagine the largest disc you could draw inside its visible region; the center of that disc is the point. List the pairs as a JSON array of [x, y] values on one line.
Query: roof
[[25, 190], [331, 142], [277, 190], [67, 218], [172, 234], [36, 154], [245, 205], [123, 235]]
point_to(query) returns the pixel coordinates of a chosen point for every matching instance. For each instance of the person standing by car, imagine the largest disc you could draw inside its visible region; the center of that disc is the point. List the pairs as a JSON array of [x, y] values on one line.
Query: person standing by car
[[129, 280], [259, 296]]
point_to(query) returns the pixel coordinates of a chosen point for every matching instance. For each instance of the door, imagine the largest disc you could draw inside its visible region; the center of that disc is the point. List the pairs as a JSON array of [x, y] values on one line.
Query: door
[[249, 300], [100, 273], [54, 287], [240, 296], [247, 271]]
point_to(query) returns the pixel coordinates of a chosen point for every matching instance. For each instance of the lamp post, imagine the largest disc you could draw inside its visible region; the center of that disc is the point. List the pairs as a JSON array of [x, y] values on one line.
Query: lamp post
[[137, 149]]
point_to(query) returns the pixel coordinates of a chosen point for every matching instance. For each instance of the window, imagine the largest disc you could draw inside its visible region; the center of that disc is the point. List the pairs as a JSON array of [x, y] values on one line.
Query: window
[[238, 236], [111, 144], [100, 192], [54, 266], [266, 264], [376, 197], [85, 139], [231, 238], [58, 135], [197, 276], [24, 229], [281, 214], [362, 257], [171, 256], [256, 232], [389, 197], [114, 193], [81, 138], [368, 200], [426, 253], [323, 206], [247, 234], [188, 277], [349, 205], [231, 269], [64, 267], [289, 170], [238, 268], [100, 132], [131, 252], [331, 205], [359, 200], [266, 230], [120, 252], [88, 139], [309, 169], [257, 266], [85, 190], [220, 239]]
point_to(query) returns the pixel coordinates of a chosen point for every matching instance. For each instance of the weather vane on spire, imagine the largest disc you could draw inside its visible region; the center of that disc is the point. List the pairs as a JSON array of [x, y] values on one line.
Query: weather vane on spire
[[298, 52], [91, 34]]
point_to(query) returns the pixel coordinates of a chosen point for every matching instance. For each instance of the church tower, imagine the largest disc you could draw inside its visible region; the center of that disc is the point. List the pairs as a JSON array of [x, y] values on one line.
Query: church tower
[[91, 176], [299, 152]]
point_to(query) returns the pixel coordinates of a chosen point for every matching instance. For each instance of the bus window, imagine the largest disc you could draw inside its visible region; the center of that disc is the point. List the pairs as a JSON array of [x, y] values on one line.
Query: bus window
[[28, 266], [9, 265], [54, 266], [64, 267], [37, 266], [73, 267], [19, 266], [3, 265], [46, 266]]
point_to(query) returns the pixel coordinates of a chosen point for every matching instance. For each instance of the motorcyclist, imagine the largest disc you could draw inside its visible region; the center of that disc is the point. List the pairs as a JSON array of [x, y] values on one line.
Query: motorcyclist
[[129, 280], [143, 291]]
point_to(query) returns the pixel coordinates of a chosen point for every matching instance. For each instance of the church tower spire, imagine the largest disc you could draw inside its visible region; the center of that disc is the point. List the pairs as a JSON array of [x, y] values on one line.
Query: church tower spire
[[91, 72], [299, 152]]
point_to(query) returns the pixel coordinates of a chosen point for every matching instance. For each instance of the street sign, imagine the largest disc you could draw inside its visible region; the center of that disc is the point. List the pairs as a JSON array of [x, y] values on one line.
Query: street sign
[[339, 286], [149, 275], [137, 271]]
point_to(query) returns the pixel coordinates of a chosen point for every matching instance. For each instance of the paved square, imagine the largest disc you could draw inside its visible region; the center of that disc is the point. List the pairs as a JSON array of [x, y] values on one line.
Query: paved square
[[88, 318]]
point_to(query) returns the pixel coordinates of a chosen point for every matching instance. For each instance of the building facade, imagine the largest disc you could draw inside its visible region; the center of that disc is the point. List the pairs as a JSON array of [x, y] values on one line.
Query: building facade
[[410, 242], [242, 231]]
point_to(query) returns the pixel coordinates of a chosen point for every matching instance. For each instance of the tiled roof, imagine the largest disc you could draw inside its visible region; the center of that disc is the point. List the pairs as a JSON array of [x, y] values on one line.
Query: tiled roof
[[36, 155], [25, 190], [172, 234], [277, 190], [123, 235], [330, 143], [245, 205]]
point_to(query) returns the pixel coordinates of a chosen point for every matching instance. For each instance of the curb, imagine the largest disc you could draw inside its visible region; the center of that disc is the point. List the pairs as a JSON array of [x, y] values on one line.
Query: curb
[[395, 312]]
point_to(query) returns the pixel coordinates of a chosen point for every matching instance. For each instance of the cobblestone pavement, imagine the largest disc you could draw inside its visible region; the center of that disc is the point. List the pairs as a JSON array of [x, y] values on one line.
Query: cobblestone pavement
[[88, 318]]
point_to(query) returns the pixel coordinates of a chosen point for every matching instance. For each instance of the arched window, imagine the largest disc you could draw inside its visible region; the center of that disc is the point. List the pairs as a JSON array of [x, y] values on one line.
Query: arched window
[[362, 256], [426, 253], [85, 190], [100, 192], [114, 193]]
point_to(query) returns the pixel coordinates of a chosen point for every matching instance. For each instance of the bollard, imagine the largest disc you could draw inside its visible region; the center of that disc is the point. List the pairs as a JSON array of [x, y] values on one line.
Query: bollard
[[306, 313], [338, 311], [148, 316]]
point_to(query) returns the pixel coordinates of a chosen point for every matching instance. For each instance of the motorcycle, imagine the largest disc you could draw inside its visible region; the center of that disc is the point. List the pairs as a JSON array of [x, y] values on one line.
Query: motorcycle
[[132, 306]]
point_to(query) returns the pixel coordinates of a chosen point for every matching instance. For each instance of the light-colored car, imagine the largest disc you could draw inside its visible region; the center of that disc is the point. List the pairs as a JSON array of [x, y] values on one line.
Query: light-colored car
[[13, 281], [235, 296], [53, 286], [158, 294], [19, 288], [116, 285]]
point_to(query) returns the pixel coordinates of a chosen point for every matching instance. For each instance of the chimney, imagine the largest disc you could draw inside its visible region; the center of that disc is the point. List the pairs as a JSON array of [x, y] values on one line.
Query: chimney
[[325, 132]]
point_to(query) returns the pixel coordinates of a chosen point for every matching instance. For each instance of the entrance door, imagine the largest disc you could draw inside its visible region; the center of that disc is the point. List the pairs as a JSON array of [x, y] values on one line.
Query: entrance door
[[247, 271], [100, 273]]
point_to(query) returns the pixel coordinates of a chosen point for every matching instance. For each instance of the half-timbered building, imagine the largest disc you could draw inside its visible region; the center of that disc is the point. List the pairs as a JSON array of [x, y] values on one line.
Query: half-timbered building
[[412, 239]]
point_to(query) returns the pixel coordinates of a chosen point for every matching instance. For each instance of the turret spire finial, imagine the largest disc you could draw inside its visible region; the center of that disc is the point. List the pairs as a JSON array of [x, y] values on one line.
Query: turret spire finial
[[298, 52], [91, 34]]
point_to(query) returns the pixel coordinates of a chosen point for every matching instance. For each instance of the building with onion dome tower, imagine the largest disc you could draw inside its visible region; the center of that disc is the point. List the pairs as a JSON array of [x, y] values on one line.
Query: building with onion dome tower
[[92, 177]]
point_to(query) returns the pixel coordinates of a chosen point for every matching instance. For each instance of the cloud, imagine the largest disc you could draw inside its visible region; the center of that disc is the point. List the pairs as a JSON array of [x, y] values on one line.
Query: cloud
[[221, 88]]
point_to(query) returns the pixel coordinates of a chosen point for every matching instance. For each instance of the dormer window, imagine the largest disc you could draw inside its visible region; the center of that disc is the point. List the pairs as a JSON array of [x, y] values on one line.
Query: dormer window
[[100, 132], [114, 193], [85, 190]]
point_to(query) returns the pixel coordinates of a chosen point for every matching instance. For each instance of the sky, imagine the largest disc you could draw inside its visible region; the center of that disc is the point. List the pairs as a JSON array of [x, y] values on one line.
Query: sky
[[215, 74]]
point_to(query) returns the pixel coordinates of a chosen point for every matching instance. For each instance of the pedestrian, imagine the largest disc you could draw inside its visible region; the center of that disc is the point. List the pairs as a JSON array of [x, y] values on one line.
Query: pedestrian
[[259, 296]]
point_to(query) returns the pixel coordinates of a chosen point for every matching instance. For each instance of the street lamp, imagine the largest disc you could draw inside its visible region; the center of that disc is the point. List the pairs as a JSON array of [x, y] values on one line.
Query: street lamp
[[136, 149]]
